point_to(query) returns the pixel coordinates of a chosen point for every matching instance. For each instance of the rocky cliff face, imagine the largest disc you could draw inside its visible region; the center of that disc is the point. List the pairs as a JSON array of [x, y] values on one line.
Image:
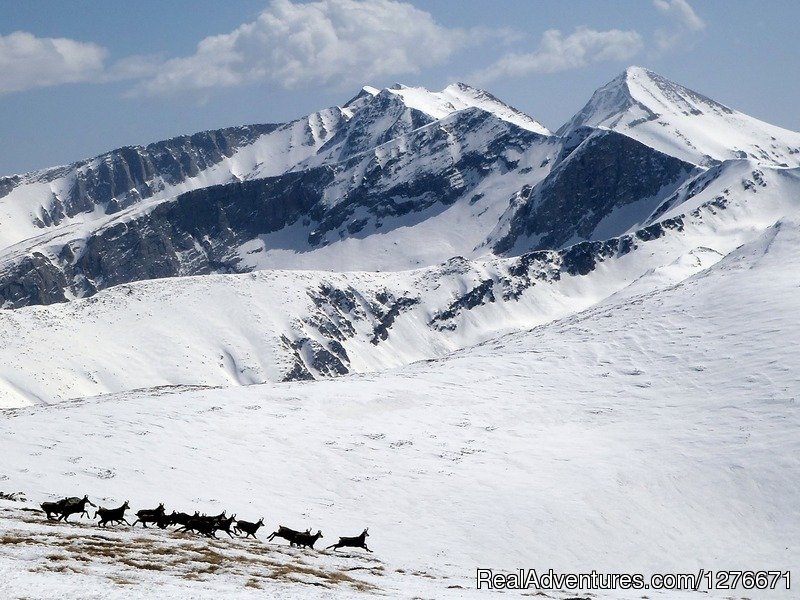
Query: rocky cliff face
[[196, 233], [606, 174], [119, 179]]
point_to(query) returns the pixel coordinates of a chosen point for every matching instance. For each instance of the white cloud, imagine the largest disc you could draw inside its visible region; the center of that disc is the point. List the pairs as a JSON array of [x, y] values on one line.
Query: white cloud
[[685, 23], [137, 66], [28, 62], [322, 43], [317, 43], [558, 53]]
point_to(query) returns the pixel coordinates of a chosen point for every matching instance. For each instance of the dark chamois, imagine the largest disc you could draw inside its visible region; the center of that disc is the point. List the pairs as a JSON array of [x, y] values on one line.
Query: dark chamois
[[75, 505], [225, 525], [163, 521], [201, 525], [352, 542], [247, 527], [204, 524], [286, 533], [180, 518], [218, 517], [52, 508], [146, 516], [112, 515], [306, 540]]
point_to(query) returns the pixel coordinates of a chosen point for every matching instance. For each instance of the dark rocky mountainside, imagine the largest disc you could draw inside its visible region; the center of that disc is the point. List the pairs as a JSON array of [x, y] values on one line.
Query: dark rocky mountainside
[[123, 177]]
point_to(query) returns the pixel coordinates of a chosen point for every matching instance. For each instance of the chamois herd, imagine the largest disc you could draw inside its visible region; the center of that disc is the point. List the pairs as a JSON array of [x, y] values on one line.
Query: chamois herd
[[196, 523]]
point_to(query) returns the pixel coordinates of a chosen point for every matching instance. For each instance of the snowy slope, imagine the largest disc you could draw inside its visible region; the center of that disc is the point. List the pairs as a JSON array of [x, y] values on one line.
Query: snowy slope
[[683, 123], [459, 96], [655, 432], [270, 325]]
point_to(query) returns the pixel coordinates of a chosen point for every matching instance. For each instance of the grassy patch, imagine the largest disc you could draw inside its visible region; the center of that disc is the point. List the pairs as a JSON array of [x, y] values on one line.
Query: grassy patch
[[9, 539], [55, 557], [141, 564], [121, 580], [59, 568], [162, 551], [78, 549], [253, 583], [306, 574], [94, 549], [211, 557]]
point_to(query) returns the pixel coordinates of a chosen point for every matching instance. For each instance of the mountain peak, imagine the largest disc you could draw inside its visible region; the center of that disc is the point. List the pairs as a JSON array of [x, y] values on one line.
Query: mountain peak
[[459, 96], [363, 96], [437, 105], [635, 71], [643, 92], [679, 121], [463, 87]]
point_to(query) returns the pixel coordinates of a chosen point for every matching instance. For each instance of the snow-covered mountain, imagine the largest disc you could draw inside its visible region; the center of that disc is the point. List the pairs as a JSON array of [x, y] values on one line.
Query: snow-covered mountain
[[399, 180], [394, 179], [572, 350], [680, 122], [275, 325], [104, 185], [385, 160]]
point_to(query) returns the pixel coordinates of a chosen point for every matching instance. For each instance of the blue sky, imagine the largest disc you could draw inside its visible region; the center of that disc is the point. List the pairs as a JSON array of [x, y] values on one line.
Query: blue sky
[[81, 77]]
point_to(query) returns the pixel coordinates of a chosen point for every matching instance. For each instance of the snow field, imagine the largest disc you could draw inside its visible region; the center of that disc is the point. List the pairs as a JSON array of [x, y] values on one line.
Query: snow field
[[653, 434]]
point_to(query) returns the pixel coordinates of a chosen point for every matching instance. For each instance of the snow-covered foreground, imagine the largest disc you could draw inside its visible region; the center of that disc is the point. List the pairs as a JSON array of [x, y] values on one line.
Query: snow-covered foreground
[[80, 562], [654, 432]]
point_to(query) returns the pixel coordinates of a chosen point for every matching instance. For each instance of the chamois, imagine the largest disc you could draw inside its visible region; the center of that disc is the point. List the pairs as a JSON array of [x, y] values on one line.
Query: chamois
[[163, 521], [201, 525], [146, 516], [359, 541], [180, 518], [204, 525], [52, 508], [112, 515], [71, 506], [218, 517], [225, 525], [197, 523], [247, 527], [286, 533], [306, 540]]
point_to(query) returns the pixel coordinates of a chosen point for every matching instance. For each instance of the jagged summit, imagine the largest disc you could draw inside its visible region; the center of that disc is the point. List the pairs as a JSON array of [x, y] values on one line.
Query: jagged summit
[[365, 92], [437, 105], [459, 96], [679, 121]]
